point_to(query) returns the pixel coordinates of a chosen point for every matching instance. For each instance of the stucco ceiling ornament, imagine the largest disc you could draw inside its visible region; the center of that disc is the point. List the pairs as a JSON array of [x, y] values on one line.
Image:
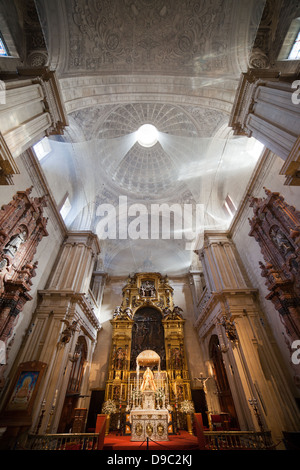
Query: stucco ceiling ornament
[[143, 36], [259, 60]]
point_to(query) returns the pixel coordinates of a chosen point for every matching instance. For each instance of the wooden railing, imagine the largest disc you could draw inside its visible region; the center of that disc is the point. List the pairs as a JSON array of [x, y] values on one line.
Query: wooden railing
[[236, 440], [86, 441], [231, 440], [213, 440], [70, 441]]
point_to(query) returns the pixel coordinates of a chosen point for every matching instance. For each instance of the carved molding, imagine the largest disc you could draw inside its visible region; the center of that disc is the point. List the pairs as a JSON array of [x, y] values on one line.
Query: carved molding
[[22, 228], [276, 227], [53, 101], [291, 167], [244, 99], [8, 166]]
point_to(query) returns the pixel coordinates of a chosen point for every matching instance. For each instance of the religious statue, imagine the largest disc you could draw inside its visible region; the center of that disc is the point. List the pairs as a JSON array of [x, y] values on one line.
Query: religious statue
[[3, 264], [177, 358], [148, 381], [15, 243], [166, 311], [147, 289], [177, 312], [230, 329], [128, 312], [122, 314], [117, 312], [281, 240], [119, 358], [68, 331]]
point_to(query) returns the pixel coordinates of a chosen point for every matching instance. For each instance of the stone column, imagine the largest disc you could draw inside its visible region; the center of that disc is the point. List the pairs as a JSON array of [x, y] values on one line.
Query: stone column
[[197, 287], [99, 281], [265, 108], [31, 108], [253, 369], [220, 266], [74, 268]]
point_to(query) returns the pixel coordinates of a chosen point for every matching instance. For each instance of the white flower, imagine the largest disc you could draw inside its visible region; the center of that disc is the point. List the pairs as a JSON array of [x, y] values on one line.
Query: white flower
[[109, 407], [187, 406]]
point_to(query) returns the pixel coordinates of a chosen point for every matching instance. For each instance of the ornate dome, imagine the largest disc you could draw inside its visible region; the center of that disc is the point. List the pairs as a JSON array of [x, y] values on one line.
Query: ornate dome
[[170, 64]]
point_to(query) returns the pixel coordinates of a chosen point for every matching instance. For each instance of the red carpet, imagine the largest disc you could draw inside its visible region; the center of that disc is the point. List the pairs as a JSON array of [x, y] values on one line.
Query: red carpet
[[182, 441]]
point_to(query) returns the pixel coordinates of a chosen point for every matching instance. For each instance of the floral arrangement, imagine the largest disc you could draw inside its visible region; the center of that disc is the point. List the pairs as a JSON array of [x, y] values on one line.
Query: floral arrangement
[[109, 407], [187, 406]]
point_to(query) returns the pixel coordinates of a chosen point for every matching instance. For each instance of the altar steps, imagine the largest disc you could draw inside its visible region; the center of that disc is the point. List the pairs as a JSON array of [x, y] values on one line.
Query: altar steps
[[183, 441]]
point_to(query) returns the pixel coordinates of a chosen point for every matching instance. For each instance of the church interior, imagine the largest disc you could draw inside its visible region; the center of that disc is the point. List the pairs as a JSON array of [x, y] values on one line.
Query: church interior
[[149, 224]]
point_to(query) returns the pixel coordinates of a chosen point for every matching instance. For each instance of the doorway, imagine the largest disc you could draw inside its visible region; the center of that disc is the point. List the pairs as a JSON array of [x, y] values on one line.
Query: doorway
[[74, 384], [220, 376]]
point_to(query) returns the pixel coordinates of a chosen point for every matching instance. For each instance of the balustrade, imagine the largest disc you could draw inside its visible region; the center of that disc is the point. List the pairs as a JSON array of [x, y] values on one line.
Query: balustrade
[[85, 441]]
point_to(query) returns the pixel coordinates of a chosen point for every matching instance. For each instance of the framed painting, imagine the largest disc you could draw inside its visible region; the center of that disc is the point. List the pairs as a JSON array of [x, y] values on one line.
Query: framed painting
[[22, 394]]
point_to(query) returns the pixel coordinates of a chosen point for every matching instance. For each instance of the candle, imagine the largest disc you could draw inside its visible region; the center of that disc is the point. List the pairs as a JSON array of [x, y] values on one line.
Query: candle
[[55, 397], [128, 389]]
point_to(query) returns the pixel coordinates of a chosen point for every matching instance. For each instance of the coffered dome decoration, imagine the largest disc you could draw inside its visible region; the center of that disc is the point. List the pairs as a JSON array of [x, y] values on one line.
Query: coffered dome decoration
[[168, 119], [142, 170], [146, 171]]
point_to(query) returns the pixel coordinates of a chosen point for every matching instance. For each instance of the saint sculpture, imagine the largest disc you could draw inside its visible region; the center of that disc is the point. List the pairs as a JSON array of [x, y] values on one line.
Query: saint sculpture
[[148, 381]]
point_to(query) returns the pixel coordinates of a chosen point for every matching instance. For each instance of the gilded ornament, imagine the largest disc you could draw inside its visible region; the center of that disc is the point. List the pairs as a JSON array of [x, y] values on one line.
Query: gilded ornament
[[138, 429], [149, 429], [160, 429]]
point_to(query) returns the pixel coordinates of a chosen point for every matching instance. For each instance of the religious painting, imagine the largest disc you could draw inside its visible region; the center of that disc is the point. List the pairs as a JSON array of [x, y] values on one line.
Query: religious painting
[[119, 357], [147, 333], [116, 393], [177, 357], [23, 393]]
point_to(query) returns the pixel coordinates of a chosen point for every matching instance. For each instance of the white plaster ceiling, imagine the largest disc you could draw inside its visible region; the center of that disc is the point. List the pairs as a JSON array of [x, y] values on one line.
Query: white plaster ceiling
[[173, 64]]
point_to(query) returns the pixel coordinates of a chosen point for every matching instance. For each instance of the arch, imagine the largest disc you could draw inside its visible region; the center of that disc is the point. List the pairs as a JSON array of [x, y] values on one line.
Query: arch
[[220, 375], [74, 385], [78, 362], [154, 307]]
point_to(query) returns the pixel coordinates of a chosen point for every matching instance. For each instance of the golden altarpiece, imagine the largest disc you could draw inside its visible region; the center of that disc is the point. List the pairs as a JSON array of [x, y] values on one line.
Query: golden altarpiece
[[148, 369]]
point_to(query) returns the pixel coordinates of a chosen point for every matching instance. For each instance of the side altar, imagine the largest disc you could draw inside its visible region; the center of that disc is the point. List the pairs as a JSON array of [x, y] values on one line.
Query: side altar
[[148, 376]]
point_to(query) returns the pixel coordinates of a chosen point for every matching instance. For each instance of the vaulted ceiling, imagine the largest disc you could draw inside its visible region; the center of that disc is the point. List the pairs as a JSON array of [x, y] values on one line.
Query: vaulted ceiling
[[171, 63]]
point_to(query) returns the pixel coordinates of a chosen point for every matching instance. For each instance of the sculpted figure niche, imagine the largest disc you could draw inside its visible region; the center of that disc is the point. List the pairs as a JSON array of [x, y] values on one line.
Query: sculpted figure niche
[[23, 226], [276, 227]]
